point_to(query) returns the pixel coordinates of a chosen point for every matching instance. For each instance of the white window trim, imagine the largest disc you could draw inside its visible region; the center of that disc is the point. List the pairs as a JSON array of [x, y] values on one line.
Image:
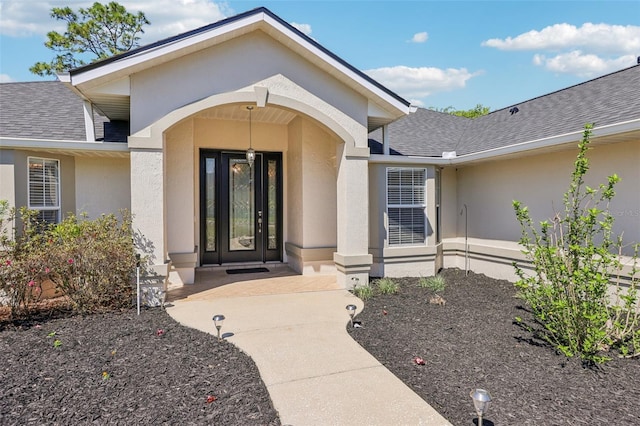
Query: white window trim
[[57, 208], [422, 206]]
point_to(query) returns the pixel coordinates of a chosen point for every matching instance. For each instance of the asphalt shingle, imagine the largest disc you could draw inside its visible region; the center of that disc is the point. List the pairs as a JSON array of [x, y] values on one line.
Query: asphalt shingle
[[609, 99], [44, 110]]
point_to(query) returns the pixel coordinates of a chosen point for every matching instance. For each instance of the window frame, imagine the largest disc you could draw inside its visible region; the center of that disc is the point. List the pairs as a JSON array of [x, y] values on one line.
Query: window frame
[[46, 183], [418, 203]]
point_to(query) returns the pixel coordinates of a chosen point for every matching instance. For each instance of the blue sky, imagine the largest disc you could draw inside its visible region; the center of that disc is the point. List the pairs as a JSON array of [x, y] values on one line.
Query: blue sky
[[434, 53]]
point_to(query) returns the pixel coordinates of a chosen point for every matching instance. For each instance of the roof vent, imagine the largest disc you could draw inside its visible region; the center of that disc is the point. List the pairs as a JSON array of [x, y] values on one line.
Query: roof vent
[[449, 154], [514, 110]]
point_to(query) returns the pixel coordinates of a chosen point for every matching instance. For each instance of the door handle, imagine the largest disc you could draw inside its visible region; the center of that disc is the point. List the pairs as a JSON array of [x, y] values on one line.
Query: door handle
[[259, 221]]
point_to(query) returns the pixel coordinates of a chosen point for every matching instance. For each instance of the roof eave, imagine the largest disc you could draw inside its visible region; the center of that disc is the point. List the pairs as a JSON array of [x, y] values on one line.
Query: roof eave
[[118, 149], [519, 149]]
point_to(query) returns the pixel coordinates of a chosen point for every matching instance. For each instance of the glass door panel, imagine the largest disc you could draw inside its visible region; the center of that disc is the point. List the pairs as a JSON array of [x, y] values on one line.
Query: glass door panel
[[210, 204], [241, 206]]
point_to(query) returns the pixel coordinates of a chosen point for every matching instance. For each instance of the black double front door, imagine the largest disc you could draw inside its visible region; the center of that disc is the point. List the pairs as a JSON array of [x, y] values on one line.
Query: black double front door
[[240, 207]]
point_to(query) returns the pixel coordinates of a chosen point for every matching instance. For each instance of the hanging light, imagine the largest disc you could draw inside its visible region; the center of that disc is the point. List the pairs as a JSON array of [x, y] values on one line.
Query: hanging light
[[251, 154]]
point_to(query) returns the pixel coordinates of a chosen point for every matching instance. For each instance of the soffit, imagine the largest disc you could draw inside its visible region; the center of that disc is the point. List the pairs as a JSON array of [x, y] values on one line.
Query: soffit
[[239, 112]]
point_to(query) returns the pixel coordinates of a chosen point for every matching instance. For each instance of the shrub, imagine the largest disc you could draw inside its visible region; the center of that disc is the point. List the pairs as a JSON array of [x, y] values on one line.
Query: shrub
[[436, 283], [387, 286], [576, 262], [89, 261], [21, 267], [364, 292]]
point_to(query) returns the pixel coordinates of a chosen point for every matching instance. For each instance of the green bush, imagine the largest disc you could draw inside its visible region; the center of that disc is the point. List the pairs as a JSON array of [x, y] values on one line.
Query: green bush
[[89, 261], [364, 292], [576, 262], [437, 283], [387, 286]]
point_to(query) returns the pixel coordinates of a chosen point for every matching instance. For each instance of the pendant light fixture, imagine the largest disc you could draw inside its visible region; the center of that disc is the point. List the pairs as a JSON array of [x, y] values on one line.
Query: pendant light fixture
[[251, 154]]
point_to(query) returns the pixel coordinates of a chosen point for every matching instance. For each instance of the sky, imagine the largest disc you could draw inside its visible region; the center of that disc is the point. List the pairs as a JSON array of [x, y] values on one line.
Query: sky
[[436, 54]]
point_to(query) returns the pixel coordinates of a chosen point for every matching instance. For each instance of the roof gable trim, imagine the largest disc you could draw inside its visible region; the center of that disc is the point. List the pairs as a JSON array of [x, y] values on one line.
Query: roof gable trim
[[238, 24]]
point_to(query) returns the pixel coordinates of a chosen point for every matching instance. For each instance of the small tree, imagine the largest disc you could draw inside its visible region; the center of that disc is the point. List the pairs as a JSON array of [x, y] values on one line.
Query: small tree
[[478, 111], [102, 30], [575, 292]]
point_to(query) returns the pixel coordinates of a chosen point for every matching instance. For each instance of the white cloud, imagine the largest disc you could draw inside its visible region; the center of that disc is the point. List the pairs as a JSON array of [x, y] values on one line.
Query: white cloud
[[584, 65], [6, 78], [303, 28], [418, 83], [586, 51], [420, 37], [595, 37], [19, 18]]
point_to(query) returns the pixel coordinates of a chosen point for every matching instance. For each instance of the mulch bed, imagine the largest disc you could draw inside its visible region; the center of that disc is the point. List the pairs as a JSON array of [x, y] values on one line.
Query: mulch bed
[[120, 368], [473, 342]]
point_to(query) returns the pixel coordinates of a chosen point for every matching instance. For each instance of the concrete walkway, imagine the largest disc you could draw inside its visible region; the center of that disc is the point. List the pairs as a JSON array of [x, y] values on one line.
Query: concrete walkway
[[316, 374]]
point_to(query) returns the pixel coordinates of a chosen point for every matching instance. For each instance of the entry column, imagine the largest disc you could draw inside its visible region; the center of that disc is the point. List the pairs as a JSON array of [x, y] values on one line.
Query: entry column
[[147, 202], [352, 259]]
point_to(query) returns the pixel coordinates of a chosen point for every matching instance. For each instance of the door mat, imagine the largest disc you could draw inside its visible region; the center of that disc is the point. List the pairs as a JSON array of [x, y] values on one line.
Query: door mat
[[246, 271]]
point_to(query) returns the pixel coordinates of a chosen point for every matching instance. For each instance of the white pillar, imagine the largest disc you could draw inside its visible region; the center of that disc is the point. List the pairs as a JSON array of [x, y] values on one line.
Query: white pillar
[[147, 202], [352, 258]]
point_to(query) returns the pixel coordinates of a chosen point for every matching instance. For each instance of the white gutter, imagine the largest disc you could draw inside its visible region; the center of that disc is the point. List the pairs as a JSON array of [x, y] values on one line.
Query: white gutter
[[59, 145], [602, 131]]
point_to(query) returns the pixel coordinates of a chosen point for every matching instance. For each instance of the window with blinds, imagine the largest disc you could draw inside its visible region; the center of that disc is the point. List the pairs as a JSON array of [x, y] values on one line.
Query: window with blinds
[[44, 188], [406, 203]]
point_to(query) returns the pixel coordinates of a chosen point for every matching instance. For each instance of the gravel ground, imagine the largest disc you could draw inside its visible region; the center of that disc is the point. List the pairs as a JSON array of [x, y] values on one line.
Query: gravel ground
[[473, 342]]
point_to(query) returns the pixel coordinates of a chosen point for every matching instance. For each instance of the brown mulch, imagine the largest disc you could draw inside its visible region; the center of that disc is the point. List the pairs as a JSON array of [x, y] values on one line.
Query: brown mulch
[[473, 342], [120, 368]]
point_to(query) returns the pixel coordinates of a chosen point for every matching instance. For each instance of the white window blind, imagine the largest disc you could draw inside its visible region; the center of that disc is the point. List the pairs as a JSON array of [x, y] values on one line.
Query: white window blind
[[406, 206], [44, 188]]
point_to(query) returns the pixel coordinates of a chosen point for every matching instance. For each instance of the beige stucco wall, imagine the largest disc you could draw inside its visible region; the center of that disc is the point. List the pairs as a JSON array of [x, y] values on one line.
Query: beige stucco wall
[[7, 176], [449, 199], [181, 163], [102, 185], [229, 67], [294, 225], [319, 186], [539, 183]]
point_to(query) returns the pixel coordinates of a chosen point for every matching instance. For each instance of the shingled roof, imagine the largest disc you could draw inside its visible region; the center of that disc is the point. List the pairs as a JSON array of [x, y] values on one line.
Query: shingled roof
[[609, 99], [49, 110]]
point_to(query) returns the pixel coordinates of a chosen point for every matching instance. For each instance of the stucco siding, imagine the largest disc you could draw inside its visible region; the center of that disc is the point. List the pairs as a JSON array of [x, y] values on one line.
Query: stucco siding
[[294, 224], [539, 183], [182, 164], [7, 176], [236, 64], [319, 186], [103, 185], [449, 200]]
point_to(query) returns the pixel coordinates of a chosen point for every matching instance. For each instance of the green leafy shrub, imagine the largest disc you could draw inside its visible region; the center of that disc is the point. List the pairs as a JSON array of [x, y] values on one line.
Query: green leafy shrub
[[89, 261], [364, 292], [387, 286], [575, 292], [21, 267], [437, 283]]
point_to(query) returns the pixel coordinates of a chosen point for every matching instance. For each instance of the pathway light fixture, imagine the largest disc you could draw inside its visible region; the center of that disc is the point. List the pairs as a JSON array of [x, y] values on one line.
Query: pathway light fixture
[[481, 400], [352, 312], [217, 321]]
